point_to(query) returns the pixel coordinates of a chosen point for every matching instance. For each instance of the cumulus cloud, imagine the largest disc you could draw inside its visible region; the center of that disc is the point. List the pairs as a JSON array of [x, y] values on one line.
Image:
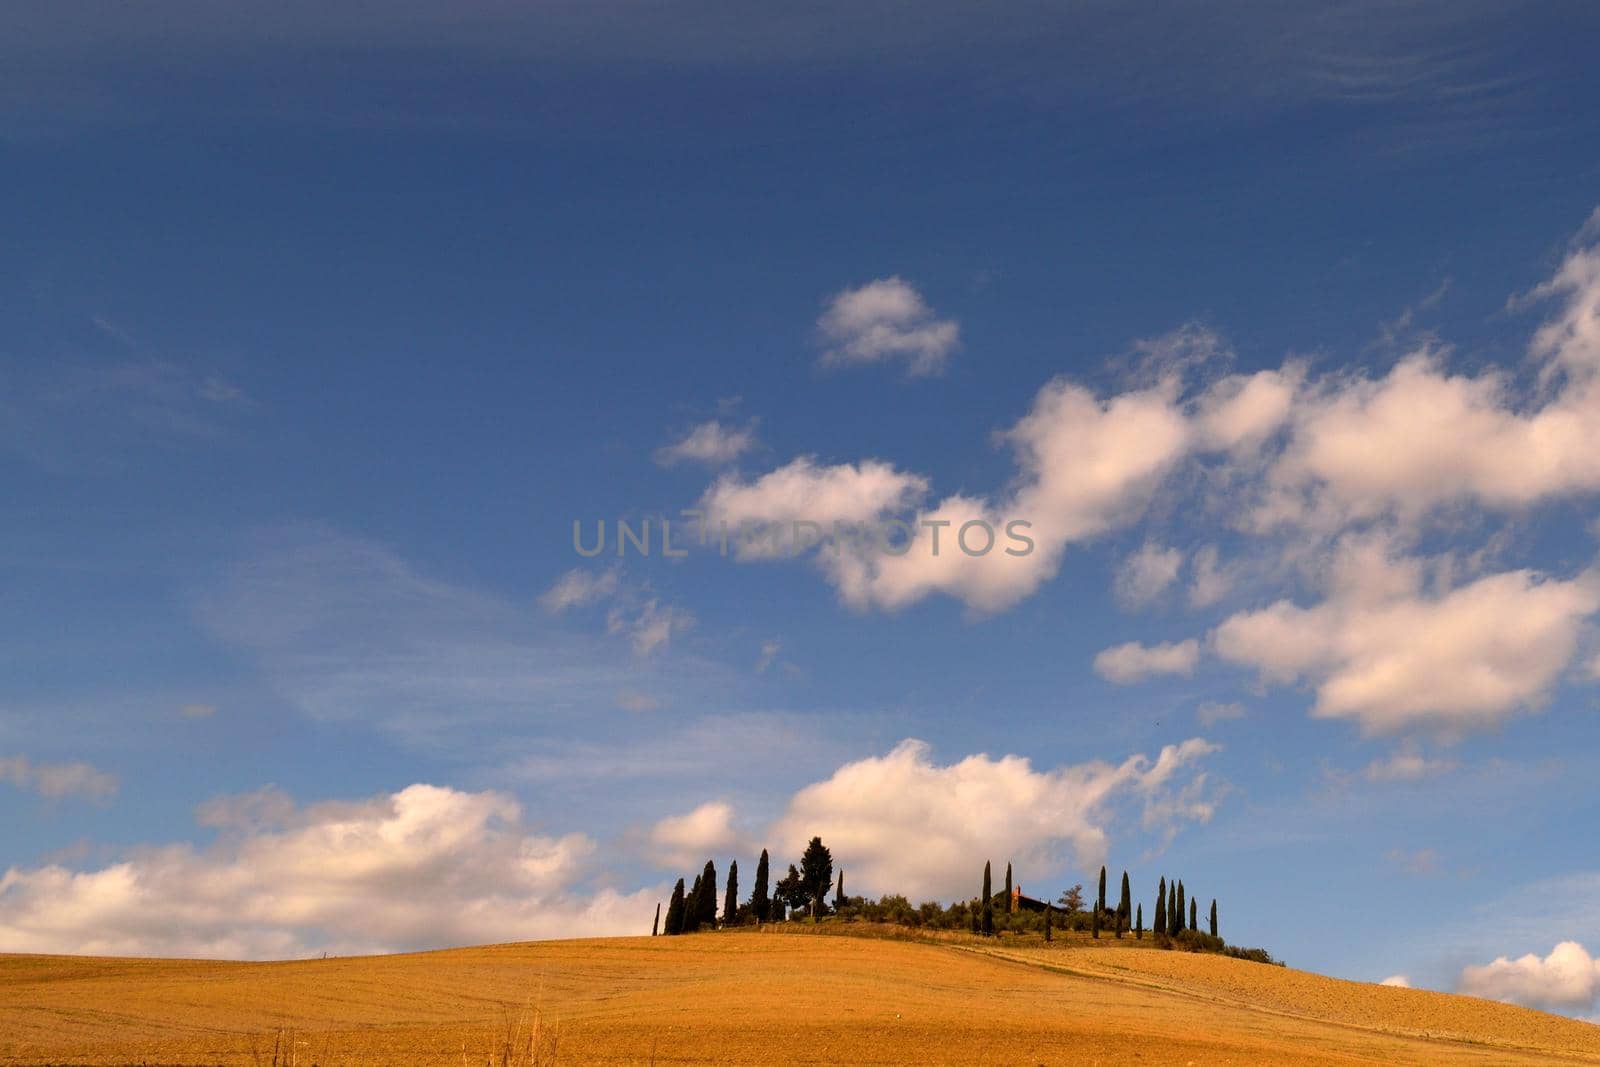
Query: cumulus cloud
[[424, 867], [55, 781], [710, 442], [1399, 981], [911, 825], [847, 494], [1134, 662], [689, 839], [1384, 651], [1568, 978], [884, 320], [1147, 573], [1422, 437]]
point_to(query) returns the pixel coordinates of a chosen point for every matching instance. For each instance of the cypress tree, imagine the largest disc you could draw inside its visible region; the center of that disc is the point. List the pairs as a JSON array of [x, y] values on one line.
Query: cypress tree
[[1161, 908], [816, 874], [1094, 923], [759, 901], [838, 894], [988, 903], [1172, 910], [1213, 916], [708, 896], [1008, 887], [1138, 925], [655, 927], [691, 907], [1047, 910], [1194, 919], [1124, 906], [1100, 901], [1177, 914], [675, 910], [730, 902]]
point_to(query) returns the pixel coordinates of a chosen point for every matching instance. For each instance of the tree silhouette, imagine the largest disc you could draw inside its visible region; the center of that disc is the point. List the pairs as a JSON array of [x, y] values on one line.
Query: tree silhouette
[[675, 909], [655, 927], [730, 902], [988, 903], [1213, 916], [816, 874], [759, 902]]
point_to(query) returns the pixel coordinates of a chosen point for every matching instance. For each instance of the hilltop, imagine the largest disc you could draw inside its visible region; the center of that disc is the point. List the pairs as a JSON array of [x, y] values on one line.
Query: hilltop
[[744, 996]]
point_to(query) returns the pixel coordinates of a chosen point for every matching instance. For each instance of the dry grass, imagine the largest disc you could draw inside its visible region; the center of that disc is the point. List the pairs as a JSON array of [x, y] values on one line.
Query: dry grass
[[749, 998]]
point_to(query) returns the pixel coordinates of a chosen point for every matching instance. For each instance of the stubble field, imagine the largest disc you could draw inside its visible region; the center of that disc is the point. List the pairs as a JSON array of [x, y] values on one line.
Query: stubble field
[[752, 998]]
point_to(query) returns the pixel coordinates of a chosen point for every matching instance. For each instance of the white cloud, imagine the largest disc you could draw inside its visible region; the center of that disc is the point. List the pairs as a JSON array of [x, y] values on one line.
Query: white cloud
[[1212, 580], [709, 442], [1147, 573], [1134, 662], [1399, 981], [421, 868], [769, 653], [1242, 411], [690, 839], [1384, 651], [1406, 767], [1568, 978], [802, 491], [579, 588], [903, 823], [887, 319], [1211, 712], [651, 626], [55, 781]]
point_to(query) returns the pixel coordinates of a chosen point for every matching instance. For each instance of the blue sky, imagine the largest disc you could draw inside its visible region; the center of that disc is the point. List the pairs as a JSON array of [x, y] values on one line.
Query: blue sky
[[318, 332]]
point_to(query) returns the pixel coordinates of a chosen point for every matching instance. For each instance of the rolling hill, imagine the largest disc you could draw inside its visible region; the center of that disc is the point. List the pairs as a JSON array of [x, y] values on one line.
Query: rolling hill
[[747, 997]]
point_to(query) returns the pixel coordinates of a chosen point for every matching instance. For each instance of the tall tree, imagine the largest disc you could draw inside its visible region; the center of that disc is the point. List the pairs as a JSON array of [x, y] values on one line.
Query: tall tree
[[838, 894], [1100, 900], [1094, 923], [1161, 908], [1177, 913], [655, 927], [1047, 910], [759, 902], [730, 902], [988, 903], [1008, 886], [1194, 919], [708, 896], [1138, 925], [1213, 916], [691, 906], [816, 874], [1124, 906], [1171, 929], [675, 909]]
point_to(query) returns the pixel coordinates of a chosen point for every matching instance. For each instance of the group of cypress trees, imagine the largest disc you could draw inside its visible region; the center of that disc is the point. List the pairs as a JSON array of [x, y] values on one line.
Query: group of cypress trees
[[1170, 898], [695, 908]]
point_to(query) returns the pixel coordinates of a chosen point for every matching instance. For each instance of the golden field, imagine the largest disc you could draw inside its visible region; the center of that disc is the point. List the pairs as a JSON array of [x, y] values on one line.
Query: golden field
[[747, 997]]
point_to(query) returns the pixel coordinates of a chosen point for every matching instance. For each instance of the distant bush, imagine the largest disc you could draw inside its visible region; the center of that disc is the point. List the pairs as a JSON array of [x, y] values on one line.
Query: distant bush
[[1254, 955]]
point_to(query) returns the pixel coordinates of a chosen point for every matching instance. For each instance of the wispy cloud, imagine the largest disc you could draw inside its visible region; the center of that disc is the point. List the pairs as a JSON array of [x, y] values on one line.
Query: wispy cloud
[[57, 780], [887, 320]]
